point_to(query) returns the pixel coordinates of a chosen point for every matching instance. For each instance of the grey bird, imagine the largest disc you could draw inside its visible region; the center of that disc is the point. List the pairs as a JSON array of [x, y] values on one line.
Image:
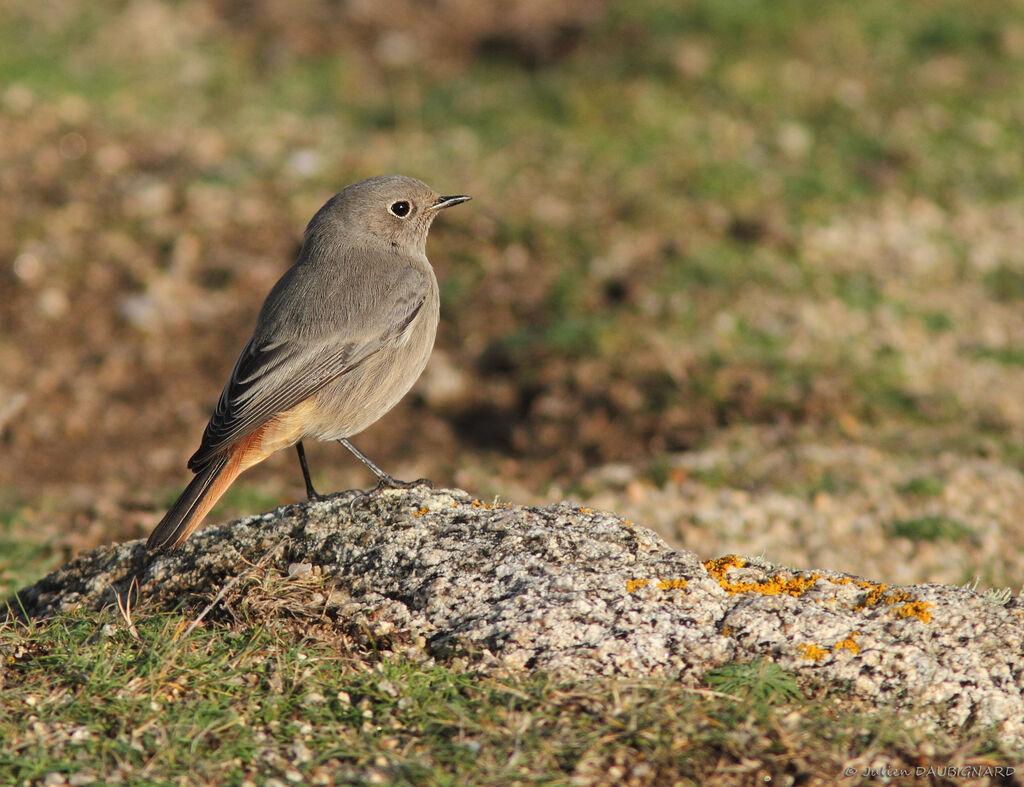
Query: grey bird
[[341, 338]]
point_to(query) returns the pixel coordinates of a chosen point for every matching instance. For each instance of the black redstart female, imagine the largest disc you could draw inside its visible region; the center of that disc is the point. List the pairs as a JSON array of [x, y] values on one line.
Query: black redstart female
[[341, 338]]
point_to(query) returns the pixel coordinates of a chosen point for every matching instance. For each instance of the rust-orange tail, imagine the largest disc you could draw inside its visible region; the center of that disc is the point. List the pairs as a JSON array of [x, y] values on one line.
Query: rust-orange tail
[[213, 480], [196, 501], [193, 504]]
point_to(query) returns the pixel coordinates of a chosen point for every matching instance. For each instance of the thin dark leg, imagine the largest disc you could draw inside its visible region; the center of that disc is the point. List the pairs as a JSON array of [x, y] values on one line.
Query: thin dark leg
[[311, 493], [384, 480]]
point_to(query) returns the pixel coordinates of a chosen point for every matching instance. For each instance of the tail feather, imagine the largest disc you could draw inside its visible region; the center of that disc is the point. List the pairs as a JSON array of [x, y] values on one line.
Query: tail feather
[[213, 478], [194, 503]]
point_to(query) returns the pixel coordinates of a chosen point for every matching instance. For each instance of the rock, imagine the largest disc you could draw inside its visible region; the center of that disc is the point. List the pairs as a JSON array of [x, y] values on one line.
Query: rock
[[579, 593]]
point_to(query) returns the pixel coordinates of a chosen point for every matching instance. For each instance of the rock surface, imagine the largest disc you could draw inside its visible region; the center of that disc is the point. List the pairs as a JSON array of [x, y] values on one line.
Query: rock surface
[[580, 593]]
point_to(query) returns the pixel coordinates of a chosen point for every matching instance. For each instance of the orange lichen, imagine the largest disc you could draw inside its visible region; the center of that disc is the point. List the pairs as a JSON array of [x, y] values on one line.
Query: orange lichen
[[773, 586], [813, 652], [672, 584], [916, 609], [586, 510], [633, 585], [897, 596], [849, 643], [421, 512], [909, 609], [880, 592], [843, 581], [875, 594], [719, 566]]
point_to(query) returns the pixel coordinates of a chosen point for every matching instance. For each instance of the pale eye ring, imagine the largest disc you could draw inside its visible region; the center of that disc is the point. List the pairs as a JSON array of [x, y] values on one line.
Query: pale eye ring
[[401, 208]]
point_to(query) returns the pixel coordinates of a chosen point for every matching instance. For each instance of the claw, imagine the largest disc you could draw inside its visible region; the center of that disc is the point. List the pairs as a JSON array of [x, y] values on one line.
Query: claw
[[386, 483]]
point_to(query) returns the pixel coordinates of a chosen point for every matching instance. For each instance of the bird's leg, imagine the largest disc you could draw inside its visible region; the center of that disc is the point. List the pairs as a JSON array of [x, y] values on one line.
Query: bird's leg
[[383, 478], [311, 493], [384, 481]]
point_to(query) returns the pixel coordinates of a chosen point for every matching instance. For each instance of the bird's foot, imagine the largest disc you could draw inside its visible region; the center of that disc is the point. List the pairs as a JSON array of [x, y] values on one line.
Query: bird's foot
[[393, 483], [385, 482]]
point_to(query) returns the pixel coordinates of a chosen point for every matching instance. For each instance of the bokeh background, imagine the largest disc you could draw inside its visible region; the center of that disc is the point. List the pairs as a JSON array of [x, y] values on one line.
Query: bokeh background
[[750, 273]]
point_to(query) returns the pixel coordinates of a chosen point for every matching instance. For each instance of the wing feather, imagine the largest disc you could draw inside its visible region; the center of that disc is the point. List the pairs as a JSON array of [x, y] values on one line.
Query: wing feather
[[276, 372]]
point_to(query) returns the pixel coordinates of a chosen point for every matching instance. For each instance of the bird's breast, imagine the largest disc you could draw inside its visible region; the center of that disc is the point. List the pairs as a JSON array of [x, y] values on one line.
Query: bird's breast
[[349, 404]]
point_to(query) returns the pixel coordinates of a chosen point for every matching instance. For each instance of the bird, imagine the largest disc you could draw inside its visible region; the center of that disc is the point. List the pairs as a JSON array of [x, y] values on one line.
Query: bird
[[340, 339]]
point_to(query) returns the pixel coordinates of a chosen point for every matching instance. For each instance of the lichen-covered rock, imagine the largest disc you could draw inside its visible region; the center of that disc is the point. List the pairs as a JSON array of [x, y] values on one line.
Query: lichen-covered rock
[[581, 593]]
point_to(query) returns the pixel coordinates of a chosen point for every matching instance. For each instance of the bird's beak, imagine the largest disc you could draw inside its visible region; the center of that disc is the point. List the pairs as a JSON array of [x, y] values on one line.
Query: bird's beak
[[447, 202]]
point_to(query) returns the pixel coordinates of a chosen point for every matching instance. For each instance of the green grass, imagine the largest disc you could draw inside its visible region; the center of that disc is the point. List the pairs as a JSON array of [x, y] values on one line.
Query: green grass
[[24, 557], [762, 683], [248, 497], [931, 527], [23, 562], [922, 486], [936, 321], [87, 694], [1006, 283], [1010, 356]]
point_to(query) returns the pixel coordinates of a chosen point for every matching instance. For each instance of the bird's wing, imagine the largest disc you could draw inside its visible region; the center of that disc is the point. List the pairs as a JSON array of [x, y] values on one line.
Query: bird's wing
[[276, 372]]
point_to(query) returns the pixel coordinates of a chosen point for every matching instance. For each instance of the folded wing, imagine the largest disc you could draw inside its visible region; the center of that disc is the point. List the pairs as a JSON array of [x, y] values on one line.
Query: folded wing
[[275, 373]]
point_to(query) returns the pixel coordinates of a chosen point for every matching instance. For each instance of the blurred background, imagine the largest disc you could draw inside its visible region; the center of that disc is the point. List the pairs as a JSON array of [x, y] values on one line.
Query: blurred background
[[750, 273]]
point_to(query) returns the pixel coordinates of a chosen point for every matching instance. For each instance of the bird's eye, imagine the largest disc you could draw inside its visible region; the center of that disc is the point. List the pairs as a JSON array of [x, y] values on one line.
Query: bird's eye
[[400, 208]]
